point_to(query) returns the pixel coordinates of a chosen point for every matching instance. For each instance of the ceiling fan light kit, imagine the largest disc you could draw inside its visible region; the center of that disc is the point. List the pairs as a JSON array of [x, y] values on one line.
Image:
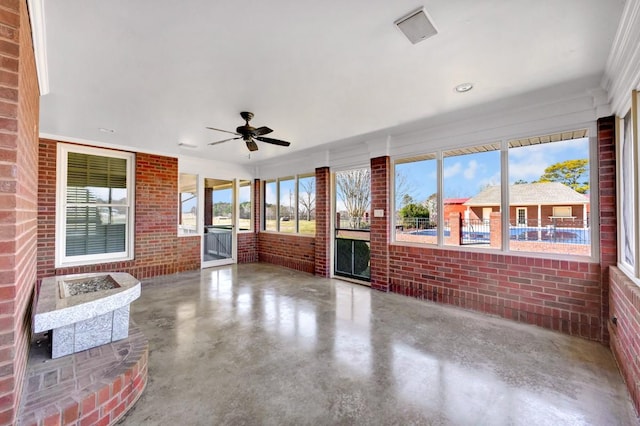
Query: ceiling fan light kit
[[250, 134]]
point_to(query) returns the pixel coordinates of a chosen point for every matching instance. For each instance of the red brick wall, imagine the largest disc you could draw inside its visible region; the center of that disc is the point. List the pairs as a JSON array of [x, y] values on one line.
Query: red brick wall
[[380, 233], [291, 251], [555, 294], [323, 222], [625, 308], [19, 105], [158, 249], [248, 241], [247, 247], [607, 209]]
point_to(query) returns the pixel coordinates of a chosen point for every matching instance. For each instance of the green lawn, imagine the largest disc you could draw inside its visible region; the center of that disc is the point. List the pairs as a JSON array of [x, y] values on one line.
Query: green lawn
[[289, 226]]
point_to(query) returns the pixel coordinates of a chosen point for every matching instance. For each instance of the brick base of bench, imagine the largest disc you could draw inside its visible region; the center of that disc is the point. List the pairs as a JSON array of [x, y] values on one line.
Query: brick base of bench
[[94, 387]]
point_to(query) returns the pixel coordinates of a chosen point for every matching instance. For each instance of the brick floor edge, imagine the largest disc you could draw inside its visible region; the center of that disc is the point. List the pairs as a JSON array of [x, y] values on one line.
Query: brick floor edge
[[93, 387]]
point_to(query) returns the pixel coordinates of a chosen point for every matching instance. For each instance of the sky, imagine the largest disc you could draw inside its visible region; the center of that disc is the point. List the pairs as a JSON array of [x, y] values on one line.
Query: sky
[[466, 175]]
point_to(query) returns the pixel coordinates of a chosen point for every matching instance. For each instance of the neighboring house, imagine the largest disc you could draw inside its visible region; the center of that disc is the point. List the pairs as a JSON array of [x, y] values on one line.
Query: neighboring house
[[535, 204], [456, 205]]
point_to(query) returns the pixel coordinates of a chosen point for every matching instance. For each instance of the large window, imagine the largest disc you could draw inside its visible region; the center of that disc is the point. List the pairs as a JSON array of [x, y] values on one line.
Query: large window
[[628, 190], [416, 199], [289, 205], [245, 206], [545, 208], [188, 214], [94, 211], [549, 182], [471, 192]]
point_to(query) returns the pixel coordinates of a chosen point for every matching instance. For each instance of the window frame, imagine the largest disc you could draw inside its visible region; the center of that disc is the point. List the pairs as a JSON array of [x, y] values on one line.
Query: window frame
[[504, 147], [251, 201], [632, 271], [296, 214], [61, 259]]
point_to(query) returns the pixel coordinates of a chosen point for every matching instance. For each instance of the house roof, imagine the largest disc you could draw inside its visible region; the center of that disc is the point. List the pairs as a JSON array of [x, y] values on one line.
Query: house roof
[[455, 200], [530, 194]]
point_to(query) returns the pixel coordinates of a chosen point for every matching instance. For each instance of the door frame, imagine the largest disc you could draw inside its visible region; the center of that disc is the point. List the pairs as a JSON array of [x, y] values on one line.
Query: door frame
[[234, 228]]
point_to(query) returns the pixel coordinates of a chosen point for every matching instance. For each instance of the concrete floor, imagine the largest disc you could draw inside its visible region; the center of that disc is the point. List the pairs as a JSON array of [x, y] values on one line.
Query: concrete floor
[[258, 344]]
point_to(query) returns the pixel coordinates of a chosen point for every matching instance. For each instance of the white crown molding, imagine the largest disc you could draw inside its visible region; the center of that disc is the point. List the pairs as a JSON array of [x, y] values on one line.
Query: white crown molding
[[39, 33], [622, 72]]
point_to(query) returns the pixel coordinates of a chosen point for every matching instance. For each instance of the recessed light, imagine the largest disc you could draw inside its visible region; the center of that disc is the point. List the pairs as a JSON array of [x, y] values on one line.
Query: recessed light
[[105, 130], [464, 87]]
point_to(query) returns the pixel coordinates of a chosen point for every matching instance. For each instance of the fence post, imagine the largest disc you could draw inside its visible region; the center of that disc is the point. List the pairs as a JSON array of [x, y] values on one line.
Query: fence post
[[455, 230], [495, 230]]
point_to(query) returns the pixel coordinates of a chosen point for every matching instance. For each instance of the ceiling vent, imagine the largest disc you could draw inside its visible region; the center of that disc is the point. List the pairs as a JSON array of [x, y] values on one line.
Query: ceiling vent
[[416, 26]]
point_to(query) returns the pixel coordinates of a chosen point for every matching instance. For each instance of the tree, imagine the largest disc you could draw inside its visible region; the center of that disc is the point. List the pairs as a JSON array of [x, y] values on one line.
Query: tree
[[413, 211], [431, 203], [404, 190], [354, 189], [307, 196], [572, 173]]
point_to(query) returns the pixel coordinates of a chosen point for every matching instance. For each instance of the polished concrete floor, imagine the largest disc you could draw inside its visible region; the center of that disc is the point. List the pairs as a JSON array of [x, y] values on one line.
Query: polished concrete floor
[[258, 344]]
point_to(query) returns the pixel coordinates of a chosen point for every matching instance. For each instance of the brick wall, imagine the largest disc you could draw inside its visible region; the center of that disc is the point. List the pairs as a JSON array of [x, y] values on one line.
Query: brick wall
[[248, 241], [291, 251], [568, 296], [158, 249], [247, 247], [380, 233], [607, 209], [555, 294], [323, 222], [19, 105], [625, 308]]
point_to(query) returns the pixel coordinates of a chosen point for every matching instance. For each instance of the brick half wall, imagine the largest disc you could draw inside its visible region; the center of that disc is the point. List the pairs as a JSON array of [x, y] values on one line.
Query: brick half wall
[[624, 305], [291, 251], [555, 294]]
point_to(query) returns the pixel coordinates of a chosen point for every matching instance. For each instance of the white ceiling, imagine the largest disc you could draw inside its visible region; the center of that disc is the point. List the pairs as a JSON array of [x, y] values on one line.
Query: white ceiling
[[158, 72]]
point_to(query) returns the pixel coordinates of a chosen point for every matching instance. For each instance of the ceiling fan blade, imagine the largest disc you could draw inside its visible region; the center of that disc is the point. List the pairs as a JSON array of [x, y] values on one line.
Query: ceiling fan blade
[[274, 141], [225, 140], [264, 130], [226, 131], [252, 145]]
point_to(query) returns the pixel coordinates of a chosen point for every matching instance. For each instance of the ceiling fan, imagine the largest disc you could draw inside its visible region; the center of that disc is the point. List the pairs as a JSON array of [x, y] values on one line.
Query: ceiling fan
[[250, 134]]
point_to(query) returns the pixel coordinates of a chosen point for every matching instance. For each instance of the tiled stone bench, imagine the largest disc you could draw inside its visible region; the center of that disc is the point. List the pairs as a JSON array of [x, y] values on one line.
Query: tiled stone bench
[[85, 320]]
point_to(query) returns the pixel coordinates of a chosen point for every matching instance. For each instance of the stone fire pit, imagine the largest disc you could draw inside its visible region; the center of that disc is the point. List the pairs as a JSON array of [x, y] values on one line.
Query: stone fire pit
[[85, 310]]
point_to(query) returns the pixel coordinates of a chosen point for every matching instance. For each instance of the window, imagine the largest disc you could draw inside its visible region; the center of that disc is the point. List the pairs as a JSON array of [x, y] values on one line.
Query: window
[[188, 214], [550, 174], [521, 213], [245, 206], [286, 206], [416, 199], [472, 191], [270, 205], [289, 204], [307, 204], [562, 211], [628, 190], [545, 208], [94, 212]]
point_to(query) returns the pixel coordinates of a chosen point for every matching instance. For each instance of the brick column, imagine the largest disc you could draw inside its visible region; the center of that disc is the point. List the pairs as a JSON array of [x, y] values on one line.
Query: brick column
[[19, 104], [323, 222], [455, 230], [495, 230], [607, 202], [208, 206], [380, 226]]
